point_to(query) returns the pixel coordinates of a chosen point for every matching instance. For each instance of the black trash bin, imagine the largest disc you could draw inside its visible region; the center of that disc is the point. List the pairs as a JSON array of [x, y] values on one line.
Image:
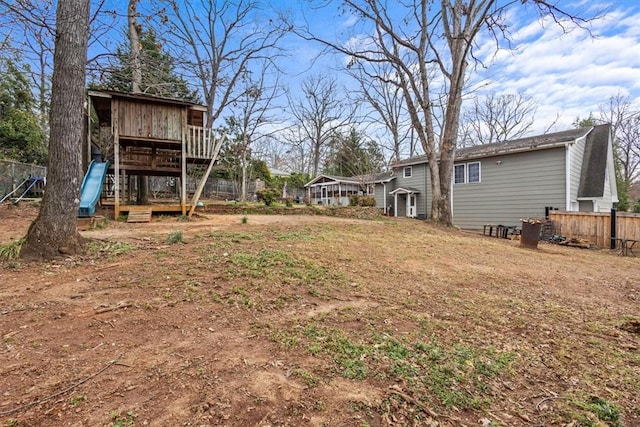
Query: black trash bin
[[530, 234]]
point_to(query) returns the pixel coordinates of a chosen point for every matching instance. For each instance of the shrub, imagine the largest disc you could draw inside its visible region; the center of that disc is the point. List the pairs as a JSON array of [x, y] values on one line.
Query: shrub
[[362, 201], [367, 201], [175, 237], [268, 195]]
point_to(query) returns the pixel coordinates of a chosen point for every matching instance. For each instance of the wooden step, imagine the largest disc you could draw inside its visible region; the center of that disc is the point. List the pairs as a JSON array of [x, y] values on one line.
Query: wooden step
[[139, 215]]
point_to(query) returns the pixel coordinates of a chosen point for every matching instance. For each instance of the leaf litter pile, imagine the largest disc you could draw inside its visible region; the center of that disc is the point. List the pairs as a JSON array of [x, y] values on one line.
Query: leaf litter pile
[[300, 320]]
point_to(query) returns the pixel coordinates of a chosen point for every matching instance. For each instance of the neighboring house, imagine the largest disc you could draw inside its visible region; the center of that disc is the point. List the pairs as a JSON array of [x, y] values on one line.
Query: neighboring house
[[504, 182], [278, 172], [336, 190]]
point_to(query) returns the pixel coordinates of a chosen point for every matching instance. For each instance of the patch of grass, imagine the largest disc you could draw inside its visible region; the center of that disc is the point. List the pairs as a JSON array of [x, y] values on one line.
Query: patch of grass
[[124, 420], [244, 220], [283, 338], [294, 236], [458, 376], [122, 218], [309, 379], [175, 237], [604, 410], [191, 289], [11, 250], [112, 248], [76, 400]]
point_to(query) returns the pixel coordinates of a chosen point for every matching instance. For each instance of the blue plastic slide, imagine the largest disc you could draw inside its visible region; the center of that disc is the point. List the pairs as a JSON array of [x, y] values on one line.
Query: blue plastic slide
[[91, 188]]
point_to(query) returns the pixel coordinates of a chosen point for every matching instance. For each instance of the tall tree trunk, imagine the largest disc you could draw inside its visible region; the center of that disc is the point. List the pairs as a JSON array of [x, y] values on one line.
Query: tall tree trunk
[[54, 230], [134, 42], [243, 187], [142, 195]]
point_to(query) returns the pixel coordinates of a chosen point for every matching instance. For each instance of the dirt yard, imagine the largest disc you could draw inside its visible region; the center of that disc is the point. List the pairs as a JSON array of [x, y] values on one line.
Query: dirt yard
[[316, 321]]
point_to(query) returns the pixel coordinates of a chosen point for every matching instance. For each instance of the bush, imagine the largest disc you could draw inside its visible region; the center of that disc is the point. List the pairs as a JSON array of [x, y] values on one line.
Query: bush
[[636, 207], [362, 201], [288, 202], [268, 195]]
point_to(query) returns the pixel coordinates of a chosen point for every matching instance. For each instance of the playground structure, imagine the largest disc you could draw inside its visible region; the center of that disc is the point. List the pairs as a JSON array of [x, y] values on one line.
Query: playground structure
[[92, 188], [30, 184], [150, 136]]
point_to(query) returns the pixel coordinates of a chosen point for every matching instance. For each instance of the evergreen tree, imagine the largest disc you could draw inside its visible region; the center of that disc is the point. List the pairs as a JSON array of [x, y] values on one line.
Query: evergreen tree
[[21, 137], [353, 155], [158, 71]]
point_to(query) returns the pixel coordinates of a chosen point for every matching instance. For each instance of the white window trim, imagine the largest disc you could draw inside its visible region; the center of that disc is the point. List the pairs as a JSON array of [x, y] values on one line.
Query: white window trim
[[404, 172], [466, 173], [479, 173]]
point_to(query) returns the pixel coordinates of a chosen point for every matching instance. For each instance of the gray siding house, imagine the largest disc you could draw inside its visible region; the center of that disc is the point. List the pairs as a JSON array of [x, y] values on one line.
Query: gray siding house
[[336, 190], [504, 182]]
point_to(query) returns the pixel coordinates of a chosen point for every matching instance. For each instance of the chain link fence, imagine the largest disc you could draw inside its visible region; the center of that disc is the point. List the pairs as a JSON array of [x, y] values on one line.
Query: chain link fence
[[12, 174]]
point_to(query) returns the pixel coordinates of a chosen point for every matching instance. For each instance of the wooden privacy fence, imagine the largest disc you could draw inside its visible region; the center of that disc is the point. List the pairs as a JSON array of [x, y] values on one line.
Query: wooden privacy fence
[[595, 227]]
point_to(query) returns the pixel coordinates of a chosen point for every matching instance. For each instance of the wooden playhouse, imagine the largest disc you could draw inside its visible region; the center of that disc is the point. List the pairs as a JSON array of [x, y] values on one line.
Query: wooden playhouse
[[150, 136]]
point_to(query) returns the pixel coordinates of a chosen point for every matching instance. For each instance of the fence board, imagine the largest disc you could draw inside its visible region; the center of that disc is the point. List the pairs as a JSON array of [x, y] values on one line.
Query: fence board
[[596, 227]]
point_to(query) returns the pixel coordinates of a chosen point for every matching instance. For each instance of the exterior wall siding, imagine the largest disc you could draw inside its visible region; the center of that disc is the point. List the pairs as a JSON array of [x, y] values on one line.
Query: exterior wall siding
[[519, 187], [419, 179], [605, 204], [575, 170], [144, 120], [381, 192]]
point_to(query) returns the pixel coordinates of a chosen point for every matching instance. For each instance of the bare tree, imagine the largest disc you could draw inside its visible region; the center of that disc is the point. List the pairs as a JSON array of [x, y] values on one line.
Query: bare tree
[[253, 107], [135, 47], [429, 46], [275, 151], [497, 118], [298, 154], [220, 41], [54, 230], [135, 62], [625, 122], [318, 113], [387, 103]]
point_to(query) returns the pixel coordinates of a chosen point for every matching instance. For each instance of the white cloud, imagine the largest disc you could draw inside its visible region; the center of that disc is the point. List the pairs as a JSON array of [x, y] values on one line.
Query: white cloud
[[572, 73]]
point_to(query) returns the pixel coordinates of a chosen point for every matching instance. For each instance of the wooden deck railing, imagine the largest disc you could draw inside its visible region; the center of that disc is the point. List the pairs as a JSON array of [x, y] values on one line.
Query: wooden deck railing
[[146, 158], [199, 142], [596, 227]]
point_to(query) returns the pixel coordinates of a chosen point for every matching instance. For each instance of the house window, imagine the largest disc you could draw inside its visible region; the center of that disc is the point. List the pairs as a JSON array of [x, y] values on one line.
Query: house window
[[473, 172], [458, 172], [407, 172], [466, 173]]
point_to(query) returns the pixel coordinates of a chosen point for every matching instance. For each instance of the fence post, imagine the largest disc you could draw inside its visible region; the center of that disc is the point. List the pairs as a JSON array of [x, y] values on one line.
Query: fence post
[[612, 244]]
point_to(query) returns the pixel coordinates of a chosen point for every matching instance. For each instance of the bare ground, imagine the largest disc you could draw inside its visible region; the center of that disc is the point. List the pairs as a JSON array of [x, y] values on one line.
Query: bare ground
[[301, 320]]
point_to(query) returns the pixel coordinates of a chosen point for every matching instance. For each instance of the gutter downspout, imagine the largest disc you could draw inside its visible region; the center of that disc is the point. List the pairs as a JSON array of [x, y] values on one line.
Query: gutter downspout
[[384, 198], [567, 177]]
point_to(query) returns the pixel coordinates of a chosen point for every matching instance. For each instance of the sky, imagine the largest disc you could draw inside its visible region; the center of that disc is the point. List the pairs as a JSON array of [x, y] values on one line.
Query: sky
[[568, 74]]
